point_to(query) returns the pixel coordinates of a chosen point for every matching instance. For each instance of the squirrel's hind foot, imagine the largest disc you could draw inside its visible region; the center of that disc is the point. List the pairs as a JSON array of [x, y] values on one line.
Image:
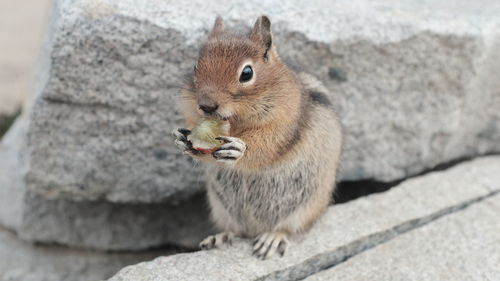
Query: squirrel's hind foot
[[269, 243], [217, 240]]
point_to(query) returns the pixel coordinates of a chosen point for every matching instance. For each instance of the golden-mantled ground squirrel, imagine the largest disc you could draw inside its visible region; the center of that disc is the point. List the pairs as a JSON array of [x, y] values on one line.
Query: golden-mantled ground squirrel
[[274, 175]]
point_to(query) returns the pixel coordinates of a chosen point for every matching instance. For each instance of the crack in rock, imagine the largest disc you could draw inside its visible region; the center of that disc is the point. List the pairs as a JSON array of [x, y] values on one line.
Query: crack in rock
[[330, 259]]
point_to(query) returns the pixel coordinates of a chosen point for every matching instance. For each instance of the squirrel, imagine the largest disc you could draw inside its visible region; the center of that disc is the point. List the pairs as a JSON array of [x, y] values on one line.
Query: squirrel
[[274, 175]]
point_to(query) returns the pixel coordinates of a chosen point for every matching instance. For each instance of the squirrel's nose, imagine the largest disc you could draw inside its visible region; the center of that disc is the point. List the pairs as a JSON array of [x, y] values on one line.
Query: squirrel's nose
[[209, 108]]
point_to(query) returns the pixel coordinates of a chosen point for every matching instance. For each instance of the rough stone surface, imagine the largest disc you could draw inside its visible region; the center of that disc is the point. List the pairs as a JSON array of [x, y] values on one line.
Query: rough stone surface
[[415, 84], [117, 128], [109, 226], [98, 224], [21, 261], [346, 230], [461, 246]]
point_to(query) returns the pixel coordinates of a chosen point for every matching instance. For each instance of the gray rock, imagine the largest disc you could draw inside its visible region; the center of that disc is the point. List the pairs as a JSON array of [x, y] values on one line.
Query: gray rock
[[415, 84], [346, 230], [461, 246], [21, 261], [110, 136], [13, 166], [110, 226], [97, 224]]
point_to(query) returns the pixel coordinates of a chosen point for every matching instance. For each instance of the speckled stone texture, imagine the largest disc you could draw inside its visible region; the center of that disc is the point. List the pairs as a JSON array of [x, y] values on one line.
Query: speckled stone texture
[[461, 246], [21, 261], [455, 207], [415, 84], [91, 224]]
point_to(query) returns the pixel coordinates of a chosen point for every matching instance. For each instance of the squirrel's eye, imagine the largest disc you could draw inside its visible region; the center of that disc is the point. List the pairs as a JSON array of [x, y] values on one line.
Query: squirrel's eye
[[246, 74]]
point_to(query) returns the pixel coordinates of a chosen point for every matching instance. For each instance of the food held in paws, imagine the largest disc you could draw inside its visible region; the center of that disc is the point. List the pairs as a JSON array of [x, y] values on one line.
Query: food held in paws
[[203, 137]]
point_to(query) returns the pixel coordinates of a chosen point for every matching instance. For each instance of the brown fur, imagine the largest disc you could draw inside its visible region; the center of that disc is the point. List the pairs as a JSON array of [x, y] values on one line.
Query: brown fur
[[292, 137]]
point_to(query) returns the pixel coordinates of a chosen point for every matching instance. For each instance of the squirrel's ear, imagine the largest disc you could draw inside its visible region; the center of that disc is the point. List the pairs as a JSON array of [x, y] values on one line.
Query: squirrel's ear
[[261, 33], [218, 27]]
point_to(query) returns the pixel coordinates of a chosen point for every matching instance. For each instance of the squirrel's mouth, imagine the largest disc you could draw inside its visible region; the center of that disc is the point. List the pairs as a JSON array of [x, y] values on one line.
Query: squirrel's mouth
[[225, 118], [218, 116]]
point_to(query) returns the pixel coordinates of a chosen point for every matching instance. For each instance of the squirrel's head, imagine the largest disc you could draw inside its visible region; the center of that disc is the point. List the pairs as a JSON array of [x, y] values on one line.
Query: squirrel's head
[[238, 76]]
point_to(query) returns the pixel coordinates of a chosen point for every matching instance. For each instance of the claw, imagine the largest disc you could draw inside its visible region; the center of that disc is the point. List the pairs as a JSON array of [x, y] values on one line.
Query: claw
[[224, 139], [182, 142], [266, 245], [216, 241], [185, 132], [231, 151]]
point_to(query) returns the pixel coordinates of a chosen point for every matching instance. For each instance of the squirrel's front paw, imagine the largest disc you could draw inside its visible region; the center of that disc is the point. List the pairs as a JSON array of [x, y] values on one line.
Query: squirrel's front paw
[[182, 142], [231, 151]]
